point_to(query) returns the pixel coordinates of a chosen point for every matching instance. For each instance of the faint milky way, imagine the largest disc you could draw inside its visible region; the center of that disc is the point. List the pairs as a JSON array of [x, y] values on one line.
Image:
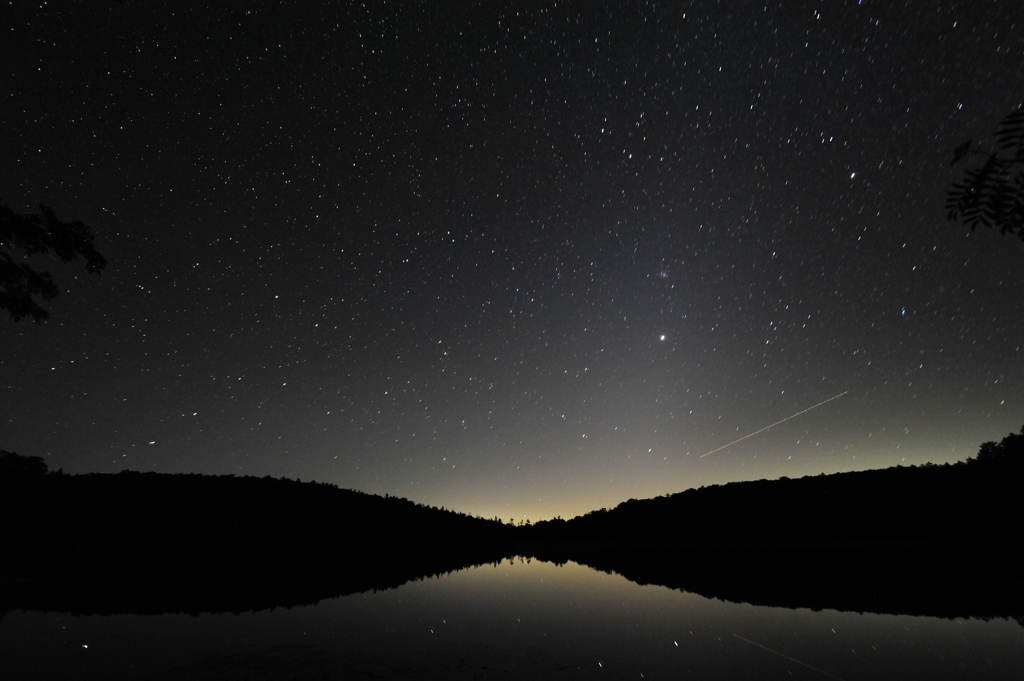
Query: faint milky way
[[517, 259]]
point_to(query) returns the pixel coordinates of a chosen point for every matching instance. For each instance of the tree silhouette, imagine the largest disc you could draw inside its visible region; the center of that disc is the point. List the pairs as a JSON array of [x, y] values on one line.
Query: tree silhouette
[[22, 236], [992, 194], [18, 466], [1010, 450]]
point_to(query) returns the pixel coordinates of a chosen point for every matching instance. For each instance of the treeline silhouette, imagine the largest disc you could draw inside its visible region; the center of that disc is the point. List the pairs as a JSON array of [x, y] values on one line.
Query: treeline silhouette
[[235, 516], [927, 540], [975, 499], [921, 540], [149, 542]]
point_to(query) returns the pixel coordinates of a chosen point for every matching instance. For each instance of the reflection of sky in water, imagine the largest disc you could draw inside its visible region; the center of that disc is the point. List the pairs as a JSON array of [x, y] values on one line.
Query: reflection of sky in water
[[532, 620]]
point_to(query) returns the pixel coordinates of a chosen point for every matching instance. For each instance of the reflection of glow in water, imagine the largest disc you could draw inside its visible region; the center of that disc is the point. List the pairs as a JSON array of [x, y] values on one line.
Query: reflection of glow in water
[[527, 618]]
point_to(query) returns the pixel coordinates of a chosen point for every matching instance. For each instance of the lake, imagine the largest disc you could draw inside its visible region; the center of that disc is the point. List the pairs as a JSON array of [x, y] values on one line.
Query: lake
[[520, 618]]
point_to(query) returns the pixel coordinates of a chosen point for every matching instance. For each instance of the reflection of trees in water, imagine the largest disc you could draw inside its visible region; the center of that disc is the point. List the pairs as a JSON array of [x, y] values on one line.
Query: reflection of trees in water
[[148, 542], [955, 579], [213, 588], [929, 540], [919, 540], [938, 580]]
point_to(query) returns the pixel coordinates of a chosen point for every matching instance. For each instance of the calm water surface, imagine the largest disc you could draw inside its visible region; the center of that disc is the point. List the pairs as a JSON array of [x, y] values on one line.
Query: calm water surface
[[514, 620]]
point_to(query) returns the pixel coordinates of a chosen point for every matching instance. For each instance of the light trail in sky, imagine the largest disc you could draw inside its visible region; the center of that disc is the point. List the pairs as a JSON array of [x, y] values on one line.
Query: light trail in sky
[[775, 424], [775, 652]]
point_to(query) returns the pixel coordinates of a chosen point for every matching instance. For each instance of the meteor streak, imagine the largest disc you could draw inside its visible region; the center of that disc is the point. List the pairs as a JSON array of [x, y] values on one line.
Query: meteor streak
[[775, 424], [793, 659]]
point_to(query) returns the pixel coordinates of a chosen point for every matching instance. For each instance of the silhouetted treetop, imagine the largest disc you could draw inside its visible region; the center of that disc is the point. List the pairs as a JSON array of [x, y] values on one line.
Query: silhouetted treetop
[[17, 465], [1010, 450], [991, 194], [22, 236]]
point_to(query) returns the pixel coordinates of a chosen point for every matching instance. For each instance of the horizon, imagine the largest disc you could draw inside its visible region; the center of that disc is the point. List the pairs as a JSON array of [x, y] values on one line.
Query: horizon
[[522, 260], [526, 520]]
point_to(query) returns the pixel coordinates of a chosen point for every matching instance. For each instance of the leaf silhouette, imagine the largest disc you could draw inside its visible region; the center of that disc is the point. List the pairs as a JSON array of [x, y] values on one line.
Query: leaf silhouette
[[992, 194], [1010, 135], [960, 152]]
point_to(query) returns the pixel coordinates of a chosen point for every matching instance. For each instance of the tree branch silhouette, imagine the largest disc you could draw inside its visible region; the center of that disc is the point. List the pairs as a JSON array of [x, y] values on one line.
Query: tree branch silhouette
[[992, 194], [22, 236]]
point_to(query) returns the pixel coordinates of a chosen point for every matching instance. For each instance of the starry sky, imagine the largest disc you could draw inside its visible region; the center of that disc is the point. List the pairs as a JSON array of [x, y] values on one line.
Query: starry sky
[[519, 259]]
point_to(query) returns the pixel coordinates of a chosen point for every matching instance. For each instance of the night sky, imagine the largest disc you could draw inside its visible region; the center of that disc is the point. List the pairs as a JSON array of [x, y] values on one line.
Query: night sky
[[515, 259]]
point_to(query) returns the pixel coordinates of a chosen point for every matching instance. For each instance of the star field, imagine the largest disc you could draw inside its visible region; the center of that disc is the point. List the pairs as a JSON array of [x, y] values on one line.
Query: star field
[[516, 259]]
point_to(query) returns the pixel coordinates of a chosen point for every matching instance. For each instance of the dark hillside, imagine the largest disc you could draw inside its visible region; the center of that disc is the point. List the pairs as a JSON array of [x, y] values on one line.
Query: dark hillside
[[976, 499], [148, 523], [924, 540]]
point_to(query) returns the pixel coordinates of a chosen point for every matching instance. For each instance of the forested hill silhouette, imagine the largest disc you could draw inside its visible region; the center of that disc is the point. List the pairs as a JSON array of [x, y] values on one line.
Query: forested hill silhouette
[[149, 543], [172, 508], [974, 499], [937, 541], [68, 519], [159, 542]]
